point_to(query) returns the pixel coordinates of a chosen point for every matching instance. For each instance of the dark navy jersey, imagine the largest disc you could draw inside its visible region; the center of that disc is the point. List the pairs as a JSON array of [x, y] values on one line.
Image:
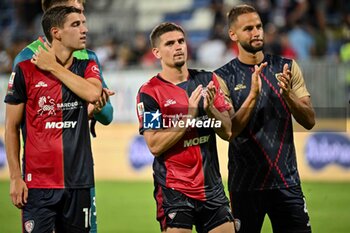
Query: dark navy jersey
[[57, 148], [263, 155], [191, 165]]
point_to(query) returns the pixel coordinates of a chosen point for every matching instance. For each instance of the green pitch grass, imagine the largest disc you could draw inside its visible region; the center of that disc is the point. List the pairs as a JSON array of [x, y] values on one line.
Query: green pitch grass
[[128, 207]]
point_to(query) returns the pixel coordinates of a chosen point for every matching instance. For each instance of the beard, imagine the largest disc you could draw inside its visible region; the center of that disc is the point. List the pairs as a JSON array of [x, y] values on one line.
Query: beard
[[179, 64], [251, 49]]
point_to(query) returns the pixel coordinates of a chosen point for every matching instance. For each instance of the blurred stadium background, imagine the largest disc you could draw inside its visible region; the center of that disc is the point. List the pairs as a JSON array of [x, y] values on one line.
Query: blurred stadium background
[[314, 32]]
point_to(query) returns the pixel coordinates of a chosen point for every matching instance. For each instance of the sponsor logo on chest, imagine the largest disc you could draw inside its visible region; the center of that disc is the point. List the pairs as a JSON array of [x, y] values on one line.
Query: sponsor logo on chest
[[196, 141], [61, 125], [48, 105], [41, 84], [169, 102], [240, 87]]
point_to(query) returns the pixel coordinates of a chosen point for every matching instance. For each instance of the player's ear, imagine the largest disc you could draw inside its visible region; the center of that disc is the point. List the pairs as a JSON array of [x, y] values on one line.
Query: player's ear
[[55, 32], [156, 53], [232, 34]]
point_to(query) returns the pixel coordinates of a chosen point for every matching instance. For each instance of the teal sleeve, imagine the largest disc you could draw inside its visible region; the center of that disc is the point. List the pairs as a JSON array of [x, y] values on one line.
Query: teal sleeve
[[105, 117], [25, 54]]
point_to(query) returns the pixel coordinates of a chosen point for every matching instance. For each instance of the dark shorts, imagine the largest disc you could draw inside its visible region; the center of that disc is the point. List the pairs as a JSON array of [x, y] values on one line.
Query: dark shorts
[[175, 209], [286, 209], [65, 210]]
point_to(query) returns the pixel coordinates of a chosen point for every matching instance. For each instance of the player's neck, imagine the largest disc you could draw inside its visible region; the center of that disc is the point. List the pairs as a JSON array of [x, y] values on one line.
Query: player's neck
[[175, 75], [250, 58], [63, 54]]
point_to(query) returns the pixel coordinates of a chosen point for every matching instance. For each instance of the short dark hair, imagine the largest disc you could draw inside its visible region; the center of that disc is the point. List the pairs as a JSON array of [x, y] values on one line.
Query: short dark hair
[[56, 17], [237, 11], [47, 4], [161, 29]]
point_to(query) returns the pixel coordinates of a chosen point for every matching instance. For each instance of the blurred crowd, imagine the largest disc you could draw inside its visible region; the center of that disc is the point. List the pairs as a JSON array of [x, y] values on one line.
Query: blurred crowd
[[299, 29]]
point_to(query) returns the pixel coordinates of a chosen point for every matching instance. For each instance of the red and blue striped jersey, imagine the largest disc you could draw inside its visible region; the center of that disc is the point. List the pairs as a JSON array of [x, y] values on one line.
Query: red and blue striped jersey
[[57, 147], [190, 166], [105, 116]]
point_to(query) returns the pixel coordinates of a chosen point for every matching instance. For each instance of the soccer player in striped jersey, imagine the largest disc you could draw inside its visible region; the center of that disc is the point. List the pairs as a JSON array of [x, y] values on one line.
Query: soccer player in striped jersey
[[102, 110], [263, 174], [178, 111], [47, 100]]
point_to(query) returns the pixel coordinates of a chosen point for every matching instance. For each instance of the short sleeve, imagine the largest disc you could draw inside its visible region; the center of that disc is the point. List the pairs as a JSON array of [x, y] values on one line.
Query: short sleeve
[[16, 89], [297, 83], [145, 104], [92, 71]]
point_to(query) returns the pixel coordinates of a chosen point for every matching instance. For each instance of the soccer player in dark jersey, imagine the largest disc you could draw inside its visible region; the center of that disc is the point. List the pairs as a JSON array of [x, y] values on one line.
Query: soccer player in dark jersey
[[179, 127], [47, 99], [263, 175], [102, 110]]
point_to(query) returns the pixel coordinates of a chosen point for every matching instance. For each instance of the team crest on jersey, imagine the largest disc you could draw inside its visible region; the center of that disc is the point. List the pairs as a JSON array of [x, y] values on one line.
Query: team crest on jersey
[[29, 226], [10, 83], [277, 76], [172, 215], [240, 87], [46, 104]]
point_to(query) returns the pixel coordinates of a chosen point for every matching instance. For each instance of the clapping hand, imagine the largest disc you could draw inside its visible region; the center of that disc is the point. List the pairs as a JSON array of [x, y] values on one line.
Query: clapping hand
[[284, 80], [256, 84], [209, 94]]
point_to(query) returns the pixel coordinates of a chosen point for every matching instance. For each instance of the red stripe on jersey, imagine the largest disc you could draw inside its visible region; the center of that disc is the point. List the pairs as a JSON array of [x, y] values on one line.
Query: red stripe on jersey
[[43, 131], [185, 171], [186, 165], [160, 211]]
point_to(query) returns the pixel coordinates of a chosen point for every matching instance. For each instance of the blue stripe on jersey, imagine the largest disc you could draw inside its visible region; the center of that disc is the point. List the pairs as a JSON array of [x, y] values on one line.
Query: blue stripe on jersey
[[183, 85]]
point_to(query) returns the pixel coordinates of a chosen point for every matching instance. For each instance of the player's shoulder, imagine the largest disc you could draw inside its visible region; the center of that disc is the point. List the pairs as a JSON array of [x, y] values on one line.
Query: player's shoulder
[[227, 68], [150, 85], [198, 71], [85, 54], [25, 68], [27, 52], [277, 59], [200, 74]]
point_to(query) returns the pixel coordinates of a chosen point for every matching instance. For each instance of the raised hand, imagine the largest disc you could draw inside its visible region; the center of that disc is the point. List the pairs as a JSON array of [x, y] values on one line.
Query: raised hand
[[44, 58], [209, 95], [284, 81], [255, 88], [194, 100]]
